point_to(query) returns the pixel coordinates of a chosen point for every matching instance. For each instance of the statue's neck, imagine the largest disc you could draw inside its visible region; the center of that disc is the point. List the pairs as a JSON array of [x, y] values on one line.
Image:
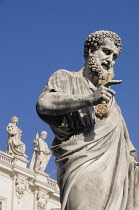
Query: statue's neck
[[85, 73]]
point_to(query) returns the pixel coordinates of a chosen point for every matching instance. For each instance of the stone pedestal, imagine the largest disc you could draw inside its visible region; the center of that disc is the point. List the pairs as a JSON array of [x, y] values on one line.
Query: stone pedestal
[[20, 161]]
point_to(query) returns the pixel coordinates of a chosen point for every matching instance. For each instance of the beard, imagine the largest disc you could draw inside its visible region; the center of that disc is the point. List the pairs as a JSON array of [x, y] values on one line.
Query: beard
[[94, 68]]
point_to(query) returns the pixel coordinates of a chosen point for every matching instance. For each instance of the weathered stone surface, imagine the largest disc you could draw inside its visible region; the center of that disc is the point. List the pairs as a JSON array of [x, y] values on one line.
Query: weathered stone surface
[[97, 166]]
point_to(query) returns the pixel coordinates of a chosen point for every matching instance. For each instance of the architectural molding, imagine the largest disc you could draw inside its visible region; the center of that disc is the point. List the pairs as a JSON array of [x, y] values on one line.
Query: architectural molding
[[21, 188]]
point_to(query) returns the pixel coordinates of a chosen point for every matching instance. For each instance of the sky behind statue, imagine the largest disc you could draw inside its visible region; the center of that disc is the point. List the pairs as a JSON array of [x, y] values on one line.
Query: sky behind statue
[[40, 37]]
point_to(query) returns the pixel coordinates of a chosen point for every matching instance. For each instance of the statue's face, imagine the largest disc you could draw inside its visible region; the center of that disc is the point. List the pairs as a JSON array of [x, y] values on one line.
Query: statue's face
[[43, 135], [107, 54], [14, 120], [101, 61]]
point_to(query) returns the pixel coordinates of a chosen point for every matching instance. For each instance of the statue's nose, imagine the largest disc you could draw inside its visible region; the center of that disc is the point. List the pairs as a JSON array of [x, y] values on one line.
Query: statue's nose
[[110, 60]]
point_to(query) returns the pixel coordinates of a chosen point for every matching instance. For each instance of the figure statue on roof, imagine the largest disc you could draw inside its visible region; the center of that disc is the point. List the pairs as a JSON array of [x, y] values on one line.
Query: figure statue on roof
[[41, 154], [15, 146]]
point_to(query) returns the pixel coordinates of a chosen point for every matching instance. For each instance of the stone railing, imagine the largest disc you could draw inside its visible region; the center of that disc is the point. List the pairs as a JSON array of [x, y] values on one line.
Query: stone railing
[[6, 158], [13, 161]]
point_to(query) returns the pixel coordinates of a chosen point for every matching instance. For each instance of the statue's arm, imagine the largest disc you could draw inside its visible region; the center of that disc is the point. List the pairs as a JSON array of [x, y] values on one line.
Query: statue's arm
[[57, 103], [55, 100]]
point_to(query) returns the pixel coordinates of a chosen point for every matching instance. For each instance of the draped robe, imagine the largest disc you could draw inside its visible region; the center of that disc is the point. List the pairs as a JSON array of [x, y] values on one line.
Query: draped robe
[[15, 145], [97, 168]]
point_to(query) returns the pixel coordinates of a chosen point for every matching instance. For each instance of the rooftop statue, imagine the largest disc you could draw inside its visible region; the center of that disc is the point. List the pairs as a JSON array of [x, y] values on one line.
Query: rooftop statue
[[41, 154], [97, 166], [15, 145]]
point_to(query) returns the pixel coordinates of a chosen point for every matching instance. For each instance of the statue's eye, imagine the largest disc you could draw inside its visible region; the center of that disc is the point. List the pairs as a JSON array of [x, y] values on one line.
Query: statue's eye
[[114, 57], [106, 51]]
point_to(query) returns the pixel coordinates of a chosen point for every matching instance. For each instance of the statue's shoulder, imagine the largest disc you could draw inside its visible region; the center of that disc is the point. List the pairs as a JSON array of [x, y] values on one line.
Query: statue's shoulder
[[10, 125], [60, 75], [61, 72]]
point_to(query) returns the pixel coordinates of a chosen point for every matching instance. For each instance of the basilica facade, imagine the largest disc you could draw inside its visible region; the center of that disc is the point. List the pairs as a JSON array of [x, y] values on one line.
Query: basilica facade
[[22, 187]]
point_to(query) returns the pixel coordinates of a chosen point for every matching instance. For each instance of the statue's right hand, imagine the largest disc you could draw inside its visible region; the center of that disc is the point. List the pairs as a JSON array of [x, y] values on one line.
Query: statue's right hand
[[103, 93]]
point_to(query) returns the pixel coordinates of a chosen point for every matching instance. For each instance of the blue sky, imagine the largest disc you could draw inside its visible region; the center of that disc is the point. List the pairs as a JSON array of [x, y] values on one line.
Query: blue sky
[[38, 37]]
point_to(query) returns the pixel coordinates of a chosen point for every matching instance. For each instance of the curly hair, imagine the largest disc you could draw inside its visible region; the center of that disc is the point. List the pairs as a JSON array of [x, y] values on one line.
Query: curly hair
[[94, 41], [14, 117]]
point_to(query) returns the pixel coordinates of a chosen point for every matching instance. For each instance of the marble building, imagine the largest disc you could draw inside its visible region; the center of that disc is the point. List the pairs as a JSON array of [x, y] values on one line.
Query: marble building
[[22, 187]]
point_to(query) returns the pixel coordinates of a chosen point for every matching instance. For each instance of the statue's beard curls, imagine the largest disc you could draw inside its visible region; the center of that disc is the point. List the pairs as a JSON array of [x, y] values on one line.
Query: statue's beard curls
[[95, 69]]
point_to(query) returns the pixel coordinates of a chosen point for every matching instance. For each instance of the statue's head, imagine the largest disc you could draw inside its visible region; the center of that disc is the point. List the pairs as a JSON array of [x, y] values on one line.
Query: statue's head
[[43, 135], [101, 49], [14, 119], [95, 40]]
